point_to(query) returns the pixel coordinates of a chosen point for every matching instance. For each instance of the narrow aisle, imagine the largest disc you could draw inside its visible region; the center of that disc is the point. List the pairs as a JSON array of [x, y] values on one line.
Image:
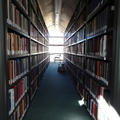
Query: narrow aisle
[[56, 98]]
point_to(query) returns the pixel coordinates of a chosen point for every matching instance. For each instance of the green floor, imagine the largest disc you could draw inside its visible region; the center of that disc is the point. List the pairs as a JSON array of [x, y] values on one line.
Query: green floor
[[56, 99]]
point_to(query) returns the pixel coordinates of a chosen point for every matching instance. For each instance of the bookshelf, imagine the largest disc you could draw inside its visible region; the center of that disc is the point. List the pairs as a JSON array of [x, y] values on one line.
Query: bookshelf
[[26, 46], [88, 50]]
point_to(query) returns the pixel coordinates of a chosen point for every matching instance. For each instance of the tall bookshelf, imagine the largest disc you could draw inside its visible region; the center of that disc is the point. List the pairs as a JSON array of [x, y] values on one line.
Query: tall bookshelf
[[27, 54], [88, 51]]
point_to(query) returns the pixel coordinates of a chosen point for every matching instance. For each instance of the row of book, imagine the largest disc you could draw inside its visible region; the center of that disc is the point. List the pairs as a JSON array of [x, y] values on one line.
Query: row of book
[[33, 60], [17, 68], [16, 18], [100, 46], [33, 47], [41, 48], [76, 49], [91, 104], [101, 69], [77, 60], [36, 35], [94, 86], [16, 93], [34, 74], [34, 87], [99, 23], [20, 110], [17, 44], [80, 21], [80, 35]]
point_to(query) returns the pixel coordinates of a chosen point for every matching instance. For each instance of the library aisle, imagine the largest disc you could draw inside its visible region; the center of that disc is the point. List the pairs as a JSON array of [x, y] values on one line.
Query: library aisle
[[56, 98]]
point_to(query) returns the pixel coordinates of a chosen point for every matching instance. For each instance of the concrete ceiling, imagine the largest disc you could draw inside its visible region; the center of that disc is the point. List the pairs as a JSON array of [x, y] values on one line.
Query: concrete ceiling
[[57, 13]]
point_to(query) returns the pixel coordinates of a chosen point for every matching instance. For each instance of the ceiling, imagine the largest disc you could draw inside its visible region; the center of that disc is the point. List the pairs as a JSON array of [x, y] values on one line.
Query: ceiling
[[57, 13]]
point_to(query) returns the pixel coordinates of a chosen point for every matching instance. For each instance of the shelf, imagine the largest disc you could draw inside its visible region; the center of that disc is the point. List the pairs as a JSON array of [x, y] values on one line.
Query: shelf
[[81, 41], [39, 74], [18, 56], [99, 79], [81, 55], [99, 58], [32, 54], [37, 41], [38, 30], [73, 63], [39, 63], [75, 21], [92, 94], [102, 32], [21, 8], [13, 27], [24, 113], [91, 56], [99, 8], [17, 103], [34, 79], [33, 94], [18, 78], [75, 31]]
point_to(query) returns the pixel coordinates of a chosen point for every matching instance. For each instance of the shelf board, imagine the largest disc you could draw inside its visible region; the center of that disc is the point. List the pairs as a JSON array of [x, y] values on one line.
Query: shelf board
[[99, 58], [81, 55], [99, 79], [32, 54], [18, 56], [100, 33], [91, 56], [15, 29], [81, 41], [33, 39]]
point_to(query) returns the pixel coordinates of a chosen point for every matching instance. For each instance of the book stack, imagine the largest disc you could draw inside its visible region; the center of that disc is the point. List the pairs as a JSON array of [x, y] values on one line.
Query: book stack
[[17, 45], [88, 50], [33, 47], [16, 93], [100, 46], [40, 48], [34, 74], [17, 68], [99, 23], [91, 105], [33, 60], [101, 69], [81, 48], [33, 32], [16, 18], [21, 109]]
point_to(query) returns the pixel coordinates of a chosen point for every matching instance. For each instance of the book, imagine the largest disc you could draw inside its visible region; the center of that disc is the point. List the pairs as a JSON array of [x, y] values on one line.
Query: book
[[17, 68], [17, 45]]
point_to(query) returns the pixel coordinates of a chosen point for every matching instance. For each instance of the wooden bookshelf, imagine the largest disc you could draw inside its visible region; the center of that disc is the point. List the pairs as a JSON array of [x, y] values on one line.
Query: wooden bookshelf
[[83, 53], [26, 43]]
